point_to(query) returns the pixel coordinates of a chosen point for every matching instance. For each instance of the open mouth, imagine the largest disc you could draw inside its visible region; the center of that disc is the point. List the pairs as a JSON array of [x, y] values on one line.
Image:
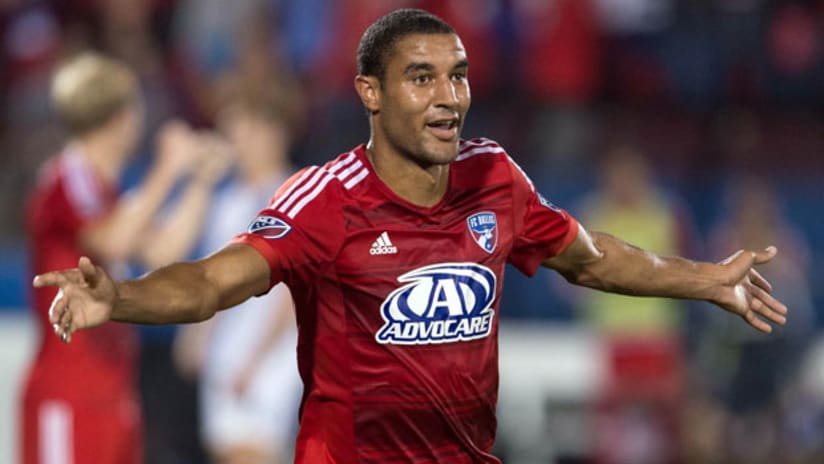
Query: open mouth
[[444, 129]]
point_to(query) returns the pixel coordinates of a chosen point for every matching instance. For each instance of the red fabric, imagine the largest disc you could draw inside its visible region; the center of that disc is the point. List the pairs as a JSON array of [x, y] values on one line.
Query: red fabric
[[642, 395], [98, 366], [99, 432], [373, 395], [645, 367]]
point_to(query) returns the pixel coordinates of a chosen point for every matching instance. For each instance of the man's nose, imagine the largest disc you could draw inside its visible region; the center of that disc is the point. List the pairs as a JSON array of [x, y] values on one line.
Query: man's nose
[[446, 94]]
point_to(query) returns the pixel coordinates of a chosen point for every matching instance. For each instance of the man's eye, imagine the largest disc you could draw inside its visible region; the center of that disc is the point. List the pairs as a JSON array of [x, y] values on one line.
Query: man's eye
[[422, 79], [461, 76]]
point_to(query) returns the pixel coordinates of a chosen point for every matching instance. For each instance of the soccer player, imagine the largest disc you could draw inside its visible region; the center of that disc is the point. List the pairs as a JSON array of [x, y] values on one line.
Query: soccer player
[[394, 253], [79, 402]]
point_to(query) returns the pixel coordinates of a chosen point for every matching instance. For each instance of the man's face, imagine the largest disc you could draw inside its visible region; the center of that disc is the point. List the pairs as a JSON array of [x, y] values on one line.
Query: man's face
[[424, 98]]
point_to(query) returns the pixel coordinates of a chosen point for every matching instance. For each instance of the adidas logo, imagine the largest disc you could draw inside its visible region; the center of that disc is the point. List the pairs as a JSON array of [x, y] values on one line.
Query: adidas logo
[[383, 246]]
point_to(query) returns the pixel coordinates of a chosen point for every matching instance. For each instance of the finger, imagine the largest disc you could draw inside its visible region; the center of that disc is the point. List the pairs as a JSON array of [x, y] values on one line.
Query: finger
[[768, 300], [69, 329], [760, 281], [754, 321], [740, 263], [765, 255], [64, 326], [88, 270], [66, 320], [61, 332], [50, 279], [759, 307], [732, 257], [58, 306], [58, 278]]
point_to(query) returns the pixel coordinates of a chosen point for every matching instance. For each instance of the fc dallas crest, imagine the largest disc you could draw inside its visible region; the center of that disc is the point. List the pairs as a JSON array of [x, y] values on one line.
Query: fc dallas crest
[[484, 230]]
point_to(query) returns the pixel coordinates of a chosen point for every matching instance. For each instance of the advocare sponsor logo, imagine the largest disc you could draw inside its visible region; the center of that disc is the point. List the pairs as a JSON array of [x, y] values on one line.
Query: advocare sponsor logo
[[441, 303]]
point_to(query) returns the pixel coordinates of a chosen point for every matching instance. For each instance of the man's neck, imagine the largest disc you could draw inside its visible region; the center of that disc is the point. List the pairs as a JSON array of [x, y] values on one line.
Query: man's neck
[[423, 186]]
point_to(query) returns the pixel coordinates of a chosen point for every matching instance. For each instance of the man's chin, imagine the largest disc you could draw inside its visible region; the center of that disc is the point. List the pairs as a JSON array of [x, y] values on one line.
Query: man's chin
[[442, 152]]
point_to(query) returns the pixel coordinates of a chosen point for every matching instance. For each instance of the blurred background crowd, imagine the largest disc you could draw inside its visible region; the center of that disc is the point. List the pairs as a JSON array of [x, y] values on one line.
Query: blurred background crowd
[[690, 127]]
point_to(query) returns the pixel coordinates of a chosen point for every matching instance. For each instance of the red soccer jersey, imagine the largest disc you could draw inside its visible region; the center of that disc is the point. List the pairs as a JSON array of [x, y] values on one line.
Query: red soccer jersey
[[98, 365], [397, 304]]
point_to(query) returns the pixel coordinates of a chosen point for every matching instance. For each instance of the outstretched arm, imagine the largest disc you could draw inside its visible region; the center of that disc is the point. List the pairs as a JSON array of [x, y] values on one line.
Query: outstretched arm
[[181, 292], [603, 262]]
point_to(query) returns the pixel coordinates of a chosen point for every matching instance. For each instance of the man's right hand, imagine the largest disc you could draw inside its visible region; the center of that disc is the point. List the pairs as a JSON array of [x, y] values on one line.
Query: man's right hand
[[86, 298]]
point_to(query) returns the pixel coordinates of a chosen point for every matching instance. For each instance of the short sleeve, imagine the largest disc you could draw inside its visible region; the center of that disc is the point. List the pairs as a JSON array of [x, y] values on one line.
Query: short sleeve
[[301, 230], [542, 230]]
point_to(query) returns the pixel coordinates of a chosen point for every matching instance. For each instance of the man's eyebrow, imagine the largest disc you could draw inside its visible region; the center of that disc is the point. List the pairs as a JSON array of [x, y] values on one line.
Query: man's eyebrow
[[413, 67]]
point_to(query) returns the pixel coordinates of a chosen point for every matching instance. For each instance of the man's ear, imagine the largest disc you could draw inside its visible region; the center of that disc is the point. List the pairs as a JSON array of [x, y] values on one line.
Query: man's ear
[[368, 87]]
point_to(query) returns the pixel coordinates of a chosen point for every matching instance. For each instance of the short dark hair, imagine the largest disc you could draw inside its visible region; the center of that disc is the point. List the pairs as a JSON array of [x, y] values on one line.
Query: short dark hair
[[378, 41]]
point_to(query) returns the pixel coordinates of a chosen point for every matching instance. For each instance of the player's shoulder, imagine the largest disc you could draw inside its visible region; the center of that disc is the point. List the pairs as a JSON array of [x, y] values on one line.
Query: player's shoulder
[[67, 180], [328, 184], [48, 180], [480, 150], [482, 160]]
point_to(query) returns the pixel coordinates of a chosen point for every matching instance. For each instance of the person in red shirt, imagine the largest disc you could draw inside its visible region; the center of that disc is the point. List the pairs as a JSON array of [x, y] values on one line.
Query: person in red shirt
[[394, 253], [79, 402]]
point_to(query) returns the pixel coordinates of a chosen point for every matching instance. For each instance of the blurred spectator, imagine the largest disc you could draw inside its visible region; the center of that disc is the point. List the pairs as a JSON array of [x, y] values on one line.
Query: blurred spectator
[[759, 369], [559, 72], [169, 402], [637, 412], [634, 31], [795, 55], [479, 33], [80, 402], [330, 96], [560, 50], [739, 42], [332, 78], [29, 46], [137, 32], [631, 17], [249, 383], [305, 26], [208, 39], [260, 68], [252, 55], [206, 32]]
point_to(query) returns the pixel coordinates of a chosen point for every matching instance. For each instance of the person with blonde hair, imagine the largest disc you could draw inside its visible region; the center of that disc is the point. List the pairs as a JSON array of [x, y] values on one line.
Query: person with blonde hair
[[80, 404]]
